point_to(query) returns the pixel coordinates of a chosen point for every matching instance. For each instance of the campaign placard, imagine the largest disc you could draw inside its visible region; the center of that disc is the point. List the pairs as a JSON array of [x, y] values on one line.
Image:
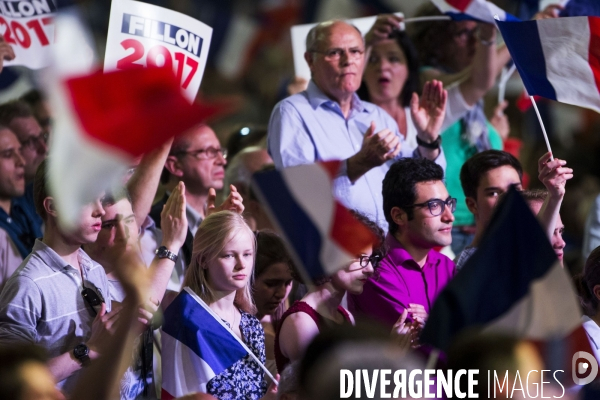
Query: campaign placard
[[142, 35], [28, 26], [299, 32]]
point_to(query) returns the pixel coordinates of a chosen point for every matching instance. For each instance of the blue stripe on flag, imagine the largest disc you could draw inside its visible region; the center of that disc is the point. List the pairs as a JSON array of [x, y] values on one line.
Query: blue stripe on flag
[[188, 322], [296, 225], [523, 42], [514, 252]]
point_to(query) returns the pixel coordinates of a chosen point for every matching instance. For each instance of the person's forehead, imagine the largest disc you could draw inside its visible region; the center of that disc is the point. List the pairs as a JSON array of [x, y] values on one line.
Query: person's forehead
[[8, 140], [341, 34], [204, 137], [277, 270], [388, 46], [430, 190], [24, 127], [503, 176], [121, 207]]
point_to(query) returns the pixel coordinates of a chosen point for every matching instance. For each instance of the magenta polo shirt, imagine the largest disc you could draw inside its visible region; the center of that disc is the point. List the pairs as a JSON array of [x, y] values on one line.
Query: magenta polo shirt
[[401, 282]]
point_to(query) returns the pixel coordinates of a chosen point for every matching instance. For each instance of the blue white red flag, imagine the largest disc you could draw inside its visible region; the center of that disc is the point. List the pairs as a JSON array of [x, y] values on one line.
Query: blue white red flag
[[196, 346], [512, 284], [479, 10], [558, 58], [322, 235]]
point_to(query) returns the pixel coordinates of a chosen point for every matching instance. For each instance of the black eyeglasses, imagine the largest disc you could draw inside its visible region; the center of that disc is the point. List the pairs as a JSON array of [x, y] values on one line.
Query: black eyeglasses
[[364, 260], [92, 298], [205, 154], [437, 206]]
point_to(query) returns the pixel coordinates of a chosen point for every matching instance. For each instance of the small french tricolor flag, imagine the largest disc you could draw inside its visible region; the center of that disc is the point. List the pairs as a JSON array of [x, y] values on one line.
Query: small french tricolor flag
[[196, 346], [479, 10], [322, 234], [558, 58], [512, 284]]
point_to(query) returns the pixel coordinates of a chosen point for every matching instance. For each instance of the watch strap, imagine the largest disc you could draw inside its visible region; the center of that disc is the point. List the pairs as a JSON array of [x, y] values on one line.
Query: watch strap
[[433, 145], [163, 252]]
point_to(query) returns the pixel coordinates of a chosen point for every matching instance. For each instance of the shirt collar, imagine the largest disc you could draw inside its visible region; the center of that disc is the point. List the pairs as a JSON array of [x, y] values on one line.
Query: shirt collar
[[399, 256], [55, 262], [194, 218], [317, 98]]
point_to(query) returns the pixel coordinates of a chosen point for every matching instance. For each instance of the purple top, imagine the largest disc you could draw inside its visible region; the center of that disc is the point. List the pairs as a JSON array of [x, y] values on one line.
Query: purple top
[[401, 282]]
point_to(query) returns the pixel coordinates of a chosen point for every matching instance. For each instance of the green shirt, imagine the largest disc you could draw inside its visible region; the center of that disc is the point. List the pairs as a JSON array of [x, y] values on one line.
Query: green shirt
[[457, 151]]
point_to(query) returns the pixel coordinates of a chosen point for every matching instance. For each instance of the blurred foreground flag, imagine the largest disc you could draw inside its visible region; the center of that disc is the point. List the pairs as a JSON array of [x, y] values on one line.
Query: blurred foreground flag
[[103, 121], [558, 58], [512, 284], [322, 235], [479, 10], [196, 346]]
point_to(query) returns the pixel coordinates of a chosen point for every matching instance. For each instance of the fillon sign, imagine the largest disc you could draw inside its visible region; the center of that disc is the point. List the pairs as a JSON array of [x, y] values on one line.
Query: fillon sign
[[20, 9], [158, 30]]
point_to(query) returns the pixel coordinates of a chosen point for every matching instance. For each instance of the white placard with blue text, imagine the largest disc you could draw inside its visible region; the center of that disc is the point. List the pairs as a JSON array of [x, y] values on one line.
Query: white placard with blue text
[[141, 35], [28, 26]]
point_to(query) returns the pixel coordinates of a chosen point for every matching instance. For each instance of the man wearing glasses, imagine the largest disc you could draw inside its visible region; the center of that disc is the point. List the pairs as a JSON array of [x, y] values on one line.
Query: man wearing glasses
[[419, 211], [59, 298], [18, 117], [328, 121], [198, 160]]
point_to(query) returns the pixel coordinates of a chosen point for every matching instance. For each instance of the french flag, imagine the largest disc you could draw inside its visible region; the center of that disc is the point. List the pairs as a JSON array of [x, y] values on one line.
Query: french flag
[[558, 58], [479, 10], [512, 284], [104, 120], [196, 346], [322, 234]]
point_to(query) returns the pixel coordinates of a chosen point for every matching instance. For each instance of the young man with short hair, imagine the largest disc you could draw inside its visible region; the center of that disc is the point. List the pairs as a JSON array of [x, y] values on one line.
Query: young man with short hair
[[419, 212], [59, 298]]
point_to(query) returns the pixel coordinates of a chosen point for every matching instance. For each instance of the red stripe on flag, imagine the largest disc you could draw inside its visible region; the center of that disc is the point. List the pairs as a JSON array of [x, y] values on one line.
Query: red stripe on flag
[[166, 395], [349, 233], [459, 4], [594, 50], [134, 110], [332, 168]]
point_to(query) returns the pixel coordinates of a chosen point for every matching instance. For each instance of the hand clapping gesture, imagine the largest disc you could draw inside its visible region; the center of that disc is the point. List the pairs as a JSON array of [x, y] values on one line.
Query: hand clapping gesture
[[429, 111]]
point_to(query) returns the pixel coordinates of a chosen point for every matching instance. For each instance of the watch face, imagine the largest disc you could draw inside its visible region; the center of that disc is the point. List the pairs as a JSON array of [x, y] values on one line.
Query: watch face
[[81, 350]]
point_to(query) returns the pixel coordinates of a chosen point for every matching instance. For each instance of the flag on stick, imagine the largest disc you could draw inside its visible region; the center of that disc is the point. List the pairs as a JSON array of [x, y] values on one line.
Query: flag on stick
[[512, 284], [196, 346], [322, 235], [558, 58]]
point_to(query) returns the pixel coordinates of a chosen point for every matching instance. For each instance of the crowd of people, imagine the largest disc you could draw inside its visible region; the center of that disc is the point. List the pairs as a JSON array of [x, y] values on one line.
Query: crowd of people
[[422, 168]]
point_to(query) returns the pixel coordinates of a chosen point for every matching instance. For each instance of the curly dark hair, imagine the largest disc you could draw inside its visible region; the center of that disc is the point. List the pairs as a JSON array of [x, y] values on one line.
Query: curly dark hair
[[399, 185], [474, 168], [585, 282], [412, 64]]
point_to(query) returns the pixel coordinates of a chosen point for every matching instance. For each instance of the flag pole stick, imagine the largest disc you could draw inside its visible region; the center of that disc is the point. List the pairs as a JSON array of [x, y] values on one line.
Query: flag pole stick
[[425, 19], [537, 112], [433, 359], [506, 74]]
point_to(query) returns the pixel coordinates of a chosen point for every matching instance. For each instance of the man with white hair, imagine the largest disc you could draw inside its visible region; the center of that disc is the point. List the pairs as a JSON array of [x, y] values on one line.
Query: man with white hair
[[328, 121]]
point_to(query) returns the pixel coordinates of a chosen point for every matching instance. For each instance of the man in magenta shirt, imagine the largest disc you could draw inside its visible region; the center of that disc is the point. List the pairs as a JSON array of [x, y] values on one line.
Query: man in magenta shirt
[[419, 212]]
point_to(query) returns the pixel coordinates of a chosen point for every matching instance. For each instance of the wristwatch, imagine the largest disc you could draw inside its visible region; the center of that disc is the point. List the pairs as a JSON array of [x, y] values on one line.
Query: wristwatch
[[81, 353], [433, 145], [163, 252]]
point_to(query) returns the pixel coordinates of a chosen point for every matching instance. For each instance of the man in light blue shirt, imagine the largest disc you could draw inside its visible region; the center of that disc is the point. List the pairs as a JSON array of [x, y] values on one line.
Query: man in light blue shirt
[[329, 122]]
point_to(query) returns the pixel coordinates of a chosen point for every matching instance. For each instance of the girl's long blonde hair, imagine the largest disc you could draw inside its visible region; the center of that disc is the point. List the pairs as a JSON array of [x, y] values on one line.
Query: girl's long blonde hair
[[214, 233]]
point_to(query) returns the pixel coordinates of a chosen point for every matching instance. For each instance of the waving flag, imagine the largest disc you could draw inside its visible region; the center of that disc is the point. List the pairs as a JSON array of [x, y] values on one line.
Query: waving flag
[[322, 234], [479, 10], [196, 346], [558, 58], [514, 284]]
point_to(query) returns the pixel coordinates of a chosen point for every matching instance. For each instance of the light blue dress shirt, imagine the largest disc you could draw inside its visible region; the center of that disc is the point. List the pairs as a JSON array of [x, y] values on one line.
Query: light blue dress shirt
[[309, 127]]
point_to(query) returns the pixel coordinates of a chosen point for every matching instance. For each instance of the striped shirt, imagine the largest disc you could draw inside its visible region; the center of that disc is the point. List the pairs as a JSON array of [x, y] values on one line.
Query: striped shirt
[[42, 303]]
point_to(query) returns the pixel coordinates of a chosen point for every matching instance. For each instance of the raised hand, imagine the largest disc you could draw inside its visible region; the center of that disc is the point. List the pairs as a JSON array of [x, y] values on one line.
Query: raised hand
[[6, 52], [383, 26], [554, 175], [173, 220], [233, 202], [429, 111]]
